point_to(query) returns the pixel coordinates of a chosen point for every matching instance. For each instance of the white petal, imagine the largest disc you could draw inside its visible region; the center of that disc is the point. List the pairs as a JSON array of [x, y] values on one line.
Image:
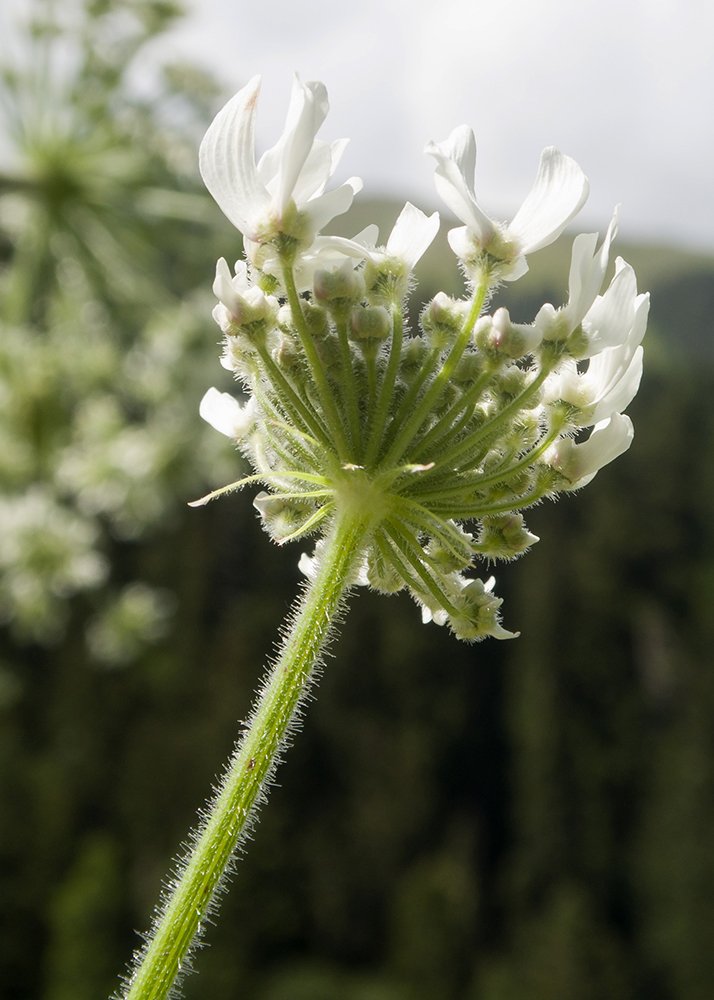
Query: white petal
[[307, 111], [609, 439], [227, 160], [559, 192], [413, 234], [622, 389], [587, 271], [315, 173], [609, 320], [454, 179], [610, 367], [222, 287], [461, 242], [325, 207], [224, 413]]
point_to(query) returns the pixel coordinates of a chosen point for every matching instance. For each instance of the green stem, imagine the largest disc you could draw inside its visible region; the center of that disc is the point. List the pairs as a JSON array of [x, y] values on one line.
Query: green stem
[[448, 458], [194, 894], [407, 432], [290, 400], [349, 387], [325, 393], [387, 390], [446, 422]]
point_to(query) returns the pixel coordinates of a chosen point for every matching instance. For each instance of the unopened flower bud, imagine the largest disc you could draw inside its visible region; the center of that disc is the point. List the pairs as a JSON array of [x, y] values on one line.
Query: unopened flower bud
[[457, 555], [442, 320], [281, 517], [382, 575], [340, 287], [285, 319], [479, 613], [499, 334], [328, 350], [469, 368], [504, 537], [370, 323], [316, 320], [414, 352], [287, 355], [386, 279]]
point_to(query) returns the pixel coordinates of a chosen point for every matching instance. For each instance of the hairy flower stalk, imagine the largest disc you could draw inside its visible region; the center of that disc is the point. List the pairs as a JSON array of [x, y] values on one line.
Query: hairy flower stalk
[[408, 456]]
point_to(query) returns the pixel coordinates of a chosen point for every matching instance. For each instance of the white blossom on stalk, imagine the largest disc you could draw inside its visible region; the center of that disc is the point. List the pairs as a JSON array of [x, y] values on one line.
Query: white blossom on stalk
[[284, 193], [239, 302], [612, 378], [559, 192], [611, 313], [329, 253], [388, 268], [580, 463], [412, 235], [587, 272]]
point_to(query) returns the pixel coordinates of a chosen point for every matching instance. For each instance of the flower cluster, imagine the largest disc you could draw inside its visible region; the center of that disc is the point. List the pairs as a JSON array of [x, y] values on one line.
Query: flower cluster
[[440, 438]]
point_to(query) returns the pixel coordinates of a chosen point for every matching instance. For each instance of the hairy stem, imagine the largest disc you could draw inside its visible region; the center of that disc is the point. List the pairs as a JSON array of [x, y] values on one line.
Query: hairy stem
[[193, 896]]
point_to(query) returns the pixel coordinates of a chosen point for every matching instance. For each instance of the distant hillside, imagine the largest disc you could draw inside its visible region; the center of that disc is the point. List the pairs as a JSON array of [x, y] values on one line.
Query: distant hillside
[[681, 283]]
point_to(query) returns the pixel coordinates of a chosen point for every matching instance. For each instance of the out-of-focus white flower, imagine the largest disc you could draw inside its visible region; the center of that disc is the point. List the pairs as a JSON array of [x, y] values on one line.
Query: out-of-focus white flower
[[285, 191], [225, 414], [558, 194], [580, 462]]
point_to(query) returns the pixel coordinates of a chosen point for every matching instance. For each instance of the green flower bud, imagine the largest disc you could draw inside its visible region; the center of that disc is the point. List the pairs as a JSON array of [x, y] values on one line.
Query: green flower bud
[[386, 280], [370, 323], [282, 517], [442, 320], [382, 575], [341, 288], [504, 536], [316, 320], [414, 353]]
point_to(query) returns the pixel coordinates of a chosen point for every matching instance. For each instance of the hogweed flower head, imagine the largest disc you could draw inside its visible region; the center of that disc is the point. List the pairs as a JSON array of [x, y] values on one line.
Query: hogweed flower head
[[438, 440]]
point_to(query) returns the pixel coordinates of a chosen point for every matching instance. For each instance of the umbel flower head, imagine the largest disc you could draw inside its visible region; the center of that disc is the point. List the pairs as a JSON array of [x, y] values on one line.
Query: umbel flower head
[[436, 441]]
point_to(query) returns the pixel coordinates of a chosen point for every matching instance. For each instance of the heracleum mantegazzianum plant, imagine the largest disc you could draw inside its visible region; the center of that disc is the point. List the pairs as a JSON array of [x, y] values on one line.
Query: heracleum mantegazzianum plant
[[407, 456]]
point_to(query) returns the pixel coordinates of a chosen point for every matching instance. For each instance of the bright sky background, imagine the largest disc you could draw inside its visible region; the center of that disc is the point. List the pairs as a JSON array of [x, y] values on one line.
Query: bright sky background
[[624, 86]]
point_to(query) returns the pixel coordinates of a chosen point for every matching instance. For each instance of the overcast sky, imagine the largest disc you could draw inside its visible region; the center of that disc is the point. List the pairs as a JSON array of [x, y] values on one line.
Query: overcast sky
[[624, 86]]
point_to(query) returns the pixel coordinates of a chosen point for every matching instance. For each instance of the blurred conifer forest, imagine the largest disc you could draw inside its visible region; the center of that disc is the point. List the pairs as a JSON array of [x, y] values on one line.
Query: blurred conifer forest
[[529, 820]]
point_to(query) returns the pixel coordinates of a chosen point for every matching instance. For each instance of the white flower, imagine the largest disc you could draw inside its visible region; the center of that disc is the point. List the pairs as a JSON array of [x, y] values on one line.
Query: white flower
[[412, 235], [240, 303], [612, 378], [388, 268], [225, 414], [410, 238], [580, 462], [558, 194], [285, 191], [329, 253], [587, 271], [608, 322]]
